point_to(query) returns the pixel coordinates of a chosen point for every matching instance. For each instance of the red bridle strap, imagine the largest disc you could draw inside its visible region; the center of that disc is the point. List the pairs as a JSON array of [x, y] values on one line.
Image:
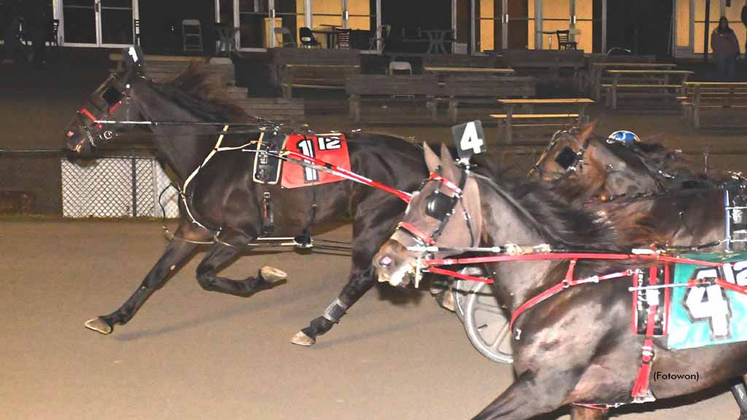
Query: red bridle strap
[[445, 182], [114, 107], [88, 114], [417, 233]]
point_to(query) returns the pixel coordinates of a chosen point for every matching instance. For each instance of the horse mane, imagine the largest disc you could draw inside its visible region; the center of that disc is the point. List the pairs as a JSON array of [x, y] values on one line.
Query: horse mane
[[194, 90], [554, 216]]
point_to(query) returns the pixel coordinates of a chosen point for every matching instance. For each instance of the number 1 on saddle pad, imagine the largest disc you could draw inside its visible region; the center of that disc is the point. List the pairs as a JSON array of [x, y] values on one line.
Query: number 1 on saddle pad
[[331, 148], [708, 315]]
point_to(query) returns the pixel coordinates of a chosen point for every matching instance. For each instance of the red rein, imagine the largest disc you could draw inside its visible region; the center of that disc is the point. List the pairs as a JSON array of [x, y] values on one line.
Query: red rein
[[343, 173]]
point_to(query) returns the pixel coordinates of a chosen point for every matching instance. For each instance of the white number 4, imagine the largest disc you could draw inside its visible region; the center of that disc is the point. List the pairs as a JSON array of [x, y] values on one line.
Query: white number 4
[[714, 309], [470, 139]]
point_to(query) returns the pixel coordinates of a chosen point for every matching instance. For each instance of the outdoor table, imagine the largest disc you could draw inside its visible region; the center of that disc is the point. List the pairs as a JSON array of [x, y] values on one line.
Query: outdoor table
[[226, 37], [654, 72], [598, 68], [469, 70], [330, 32], [436, 40], [511, 104]]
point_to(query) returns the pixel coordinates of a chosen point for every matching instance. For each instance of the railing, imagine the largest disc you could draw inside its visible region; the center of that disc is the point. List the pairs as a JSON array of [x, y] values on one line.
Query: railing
[[131, 183], [116, 183]]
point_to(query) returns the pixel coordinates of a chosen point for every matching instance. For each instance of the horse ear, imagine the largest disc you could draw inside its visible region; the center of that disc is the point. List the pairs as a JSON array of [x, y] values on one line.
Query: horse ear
[[431, 160], [133, 58], [448, 167], [586, 131]]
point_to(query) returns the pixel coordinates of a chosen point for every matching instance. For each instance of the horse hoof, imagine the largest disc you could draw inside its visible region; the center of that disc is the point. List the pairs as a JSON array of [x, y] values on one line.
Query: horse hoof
[[301, 339], [272, 274], [99, 325], [446, 300]]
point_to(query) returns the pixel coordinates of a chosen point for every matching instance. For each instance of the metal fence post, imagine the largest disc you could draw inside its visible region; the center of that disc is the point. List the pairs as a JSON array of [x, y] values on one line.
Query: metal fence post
[[134, 186], [705, 161]]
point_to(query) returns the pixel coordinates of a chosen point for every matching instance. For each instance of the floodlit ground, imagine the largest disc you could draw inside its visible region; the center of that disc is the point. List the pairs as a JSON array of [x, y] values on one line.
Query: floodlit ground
[[192, 354]]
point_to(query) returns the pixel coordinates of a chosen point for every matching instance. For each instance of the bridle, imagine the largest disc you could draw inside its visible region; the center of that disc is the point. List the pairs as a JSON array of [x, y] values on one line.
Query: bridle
[[571, 161], [113, 96], [441, 207]]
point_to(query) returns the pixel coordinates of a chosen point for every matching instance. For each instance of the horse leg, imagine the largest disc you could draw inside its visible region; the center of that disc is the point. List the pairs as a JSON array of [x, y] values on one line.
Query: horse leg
[[585, 413], [740, 394], [176, 253], [222, 252], [367, 239], [530, 395]]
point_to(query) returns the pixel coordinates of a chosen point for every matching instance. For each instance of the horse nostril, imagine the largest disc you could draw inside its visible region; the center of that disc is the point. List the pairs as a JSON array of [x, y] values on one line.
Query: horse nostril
[[70, 134], [385, 261]]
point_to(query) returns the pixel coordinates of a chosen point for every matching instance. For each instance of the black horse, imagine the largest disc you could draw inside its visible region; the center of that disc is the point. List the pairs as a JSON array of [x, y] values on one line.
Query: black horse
[[225, 204], [574, 348]]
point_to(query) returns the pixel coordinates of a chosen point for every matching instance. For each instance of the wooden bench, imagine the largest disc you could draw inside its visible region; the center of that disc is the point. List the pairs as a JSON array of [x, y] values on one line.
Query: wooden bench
[[546, 119], [462, 60], [596, 75], [455, 91], [392, 89], [316, 76], [644, 84], [485, 71], [312, 68], [544, 62], [725, 99], [481, 92], [590, 75]]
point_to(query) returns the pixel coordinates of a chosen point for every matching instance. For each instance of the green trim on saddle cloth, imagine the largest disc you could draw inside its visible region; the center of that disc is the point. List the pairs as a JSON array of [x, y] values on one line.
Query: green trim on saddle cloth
[[707, 315]]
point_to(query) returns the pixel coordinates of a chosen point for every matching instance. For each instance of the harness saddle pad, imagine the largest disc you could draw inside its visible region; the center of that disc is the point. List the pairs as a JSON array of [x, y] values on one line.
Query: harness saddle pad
[[707, 315], [266, 169], [331, 148], [643, 299], [735, 199]]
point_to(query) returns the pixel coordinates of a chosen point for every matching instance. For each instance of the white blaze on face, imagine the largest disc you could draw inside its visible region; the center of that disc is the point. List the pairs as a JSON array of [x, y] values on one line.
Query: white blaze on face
[[398, 277]]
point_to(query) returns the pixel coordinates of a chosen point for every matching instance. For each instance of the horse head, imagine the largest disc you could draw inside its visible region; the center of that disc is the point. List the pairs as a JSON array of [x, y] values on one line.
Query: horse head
[[110, 101], [444, 212], [604, 168]]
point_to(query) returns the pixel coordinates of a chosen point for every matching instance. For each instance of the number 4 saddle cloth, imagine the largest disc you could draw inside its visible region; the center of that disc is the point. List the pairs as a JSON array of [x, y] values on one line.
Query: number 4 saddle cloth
[[691, 312], [708, 314], [331, 148]]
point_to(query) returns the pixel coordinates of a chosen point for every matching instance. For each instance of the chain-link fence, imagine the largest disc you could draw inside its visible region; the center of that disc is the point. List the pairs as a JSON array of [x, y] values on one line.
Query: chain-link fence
[[133, 184], [119, 184]]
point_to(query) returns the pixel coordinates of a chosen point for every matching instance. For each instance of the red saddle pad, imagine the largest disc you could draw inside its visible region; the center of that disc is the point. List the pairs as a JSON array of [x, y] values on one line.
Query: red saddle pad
[[331, 148]]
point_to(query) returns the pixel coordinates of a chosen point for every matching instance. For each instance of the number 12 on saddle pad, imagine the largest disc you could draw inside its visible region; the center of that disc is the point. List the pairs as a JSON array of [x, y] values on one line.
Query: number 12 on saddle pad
[[708, 315], [331, 148]]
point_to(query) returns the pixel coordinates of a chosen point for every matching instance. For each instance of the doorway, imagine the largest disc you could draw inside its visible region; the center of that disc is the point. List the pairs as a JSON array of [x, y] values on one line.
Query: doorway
[[98, 23]]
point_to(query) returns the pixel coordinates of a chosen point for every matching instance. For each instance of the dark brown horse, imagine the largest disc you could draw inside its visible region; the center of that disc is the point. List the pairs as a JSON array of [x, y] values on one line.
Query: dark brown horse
[[619, 180], [575, 348], [225, 205]]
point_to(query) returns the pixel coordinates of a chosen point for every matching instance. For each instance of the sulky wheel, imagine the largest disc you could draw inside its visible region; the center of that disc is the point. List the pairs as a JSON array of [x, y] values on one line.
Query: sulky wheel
[[461, 290], [487, 324]]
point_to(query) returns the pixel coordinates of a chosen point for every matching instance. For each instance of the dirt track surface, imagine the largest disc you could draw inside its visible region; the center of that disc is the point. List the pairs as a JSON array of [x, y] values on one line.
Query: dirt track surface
[[192, 354]]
